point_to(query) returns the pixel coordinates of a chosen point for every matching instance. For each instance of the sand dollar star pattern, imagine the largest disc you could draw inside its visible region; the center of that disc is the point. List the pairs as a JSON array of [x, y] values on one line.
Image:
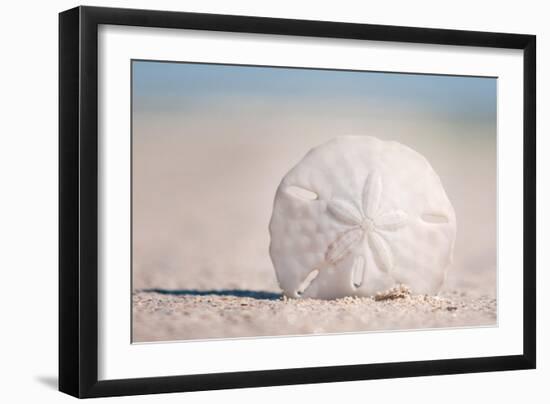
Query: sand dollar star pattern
[[367, 225]]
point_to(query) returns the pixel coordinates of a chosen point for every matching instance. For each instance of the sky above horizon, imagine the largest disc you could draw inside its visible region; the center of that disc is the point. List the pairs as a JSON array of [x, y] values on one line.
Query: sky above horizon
[[168, 87]]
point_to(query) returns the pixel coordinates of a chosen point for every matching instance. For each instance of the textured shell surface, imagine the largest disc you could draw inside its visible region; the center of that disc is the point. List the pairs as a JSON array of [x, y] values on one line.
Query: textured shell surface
[[359, 215]]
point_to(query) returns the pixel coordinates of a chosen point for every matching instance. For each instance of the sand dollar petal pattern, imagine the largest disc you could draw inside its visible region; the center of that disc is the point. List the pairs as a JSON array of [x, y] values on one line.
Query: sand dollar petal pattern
[[372, 196]]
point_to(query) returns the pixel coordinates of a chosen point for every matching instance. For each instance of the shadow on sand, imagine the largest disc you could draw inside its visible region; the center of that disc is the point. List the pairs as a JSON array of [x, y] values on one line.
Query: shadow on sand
[[254, 294]]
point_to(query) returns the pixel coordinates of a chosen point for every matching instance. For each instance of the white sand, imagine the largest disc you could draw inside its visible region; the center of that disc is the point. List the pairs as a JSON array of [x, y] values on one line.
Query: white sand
[[201, 213], [184, 315]]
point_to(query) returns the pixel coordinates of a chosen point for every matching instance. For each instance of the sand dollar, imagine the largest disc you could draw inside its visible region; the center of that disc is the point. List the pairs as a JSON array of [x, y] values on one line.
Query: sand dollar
[[357, 216]]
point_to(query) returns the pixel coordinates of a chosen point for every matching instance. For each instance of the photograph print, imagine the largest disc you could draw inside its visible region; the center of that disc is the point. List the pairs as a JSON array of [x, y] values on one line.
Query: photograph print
[[282, 201]]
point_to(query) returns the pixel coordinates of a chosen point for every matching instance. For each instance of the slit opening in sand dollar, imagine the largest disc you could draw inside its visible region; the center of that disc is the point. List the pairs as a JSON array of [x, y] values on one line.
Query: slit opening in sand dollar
[[358, 271], [306, 283], [301, 193], [434, 218]]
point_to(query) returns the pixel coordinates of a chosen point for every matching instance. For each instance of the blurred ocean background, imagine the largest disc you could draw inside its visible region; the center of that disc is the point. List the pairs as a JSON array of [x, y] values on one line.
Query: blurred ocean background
[[212, 142]]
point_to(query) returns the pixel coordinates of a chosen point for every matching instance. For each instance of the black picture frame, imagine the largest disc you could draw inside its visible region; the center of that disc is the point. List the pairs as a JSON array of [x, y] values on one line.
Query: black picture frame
[[78, 201]]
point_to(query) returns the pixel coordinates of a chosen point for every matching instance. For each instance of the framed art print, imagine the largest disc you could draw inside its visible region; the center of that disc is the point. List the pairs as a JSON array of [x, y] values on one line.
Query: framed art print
[[250, 201]]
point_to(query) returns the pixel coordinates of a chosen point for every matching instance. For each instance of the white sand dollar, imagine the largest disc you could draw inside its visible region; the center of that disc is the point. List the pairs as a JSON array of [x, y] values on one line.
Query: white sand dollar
[[357, 216]]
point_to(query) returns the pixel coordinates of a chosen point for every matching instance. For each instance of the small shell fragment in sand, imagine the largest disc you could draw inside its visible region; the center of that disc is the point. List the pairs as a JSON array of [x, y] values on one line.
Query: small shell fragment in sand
[[397, 292]]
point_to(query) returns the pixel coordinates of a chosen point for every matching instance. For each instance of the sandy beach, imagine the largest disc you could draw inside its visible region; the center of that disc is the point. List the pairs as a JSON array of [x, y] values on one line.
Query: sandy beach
[[201, 266], [164, 315], [204, 179]]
